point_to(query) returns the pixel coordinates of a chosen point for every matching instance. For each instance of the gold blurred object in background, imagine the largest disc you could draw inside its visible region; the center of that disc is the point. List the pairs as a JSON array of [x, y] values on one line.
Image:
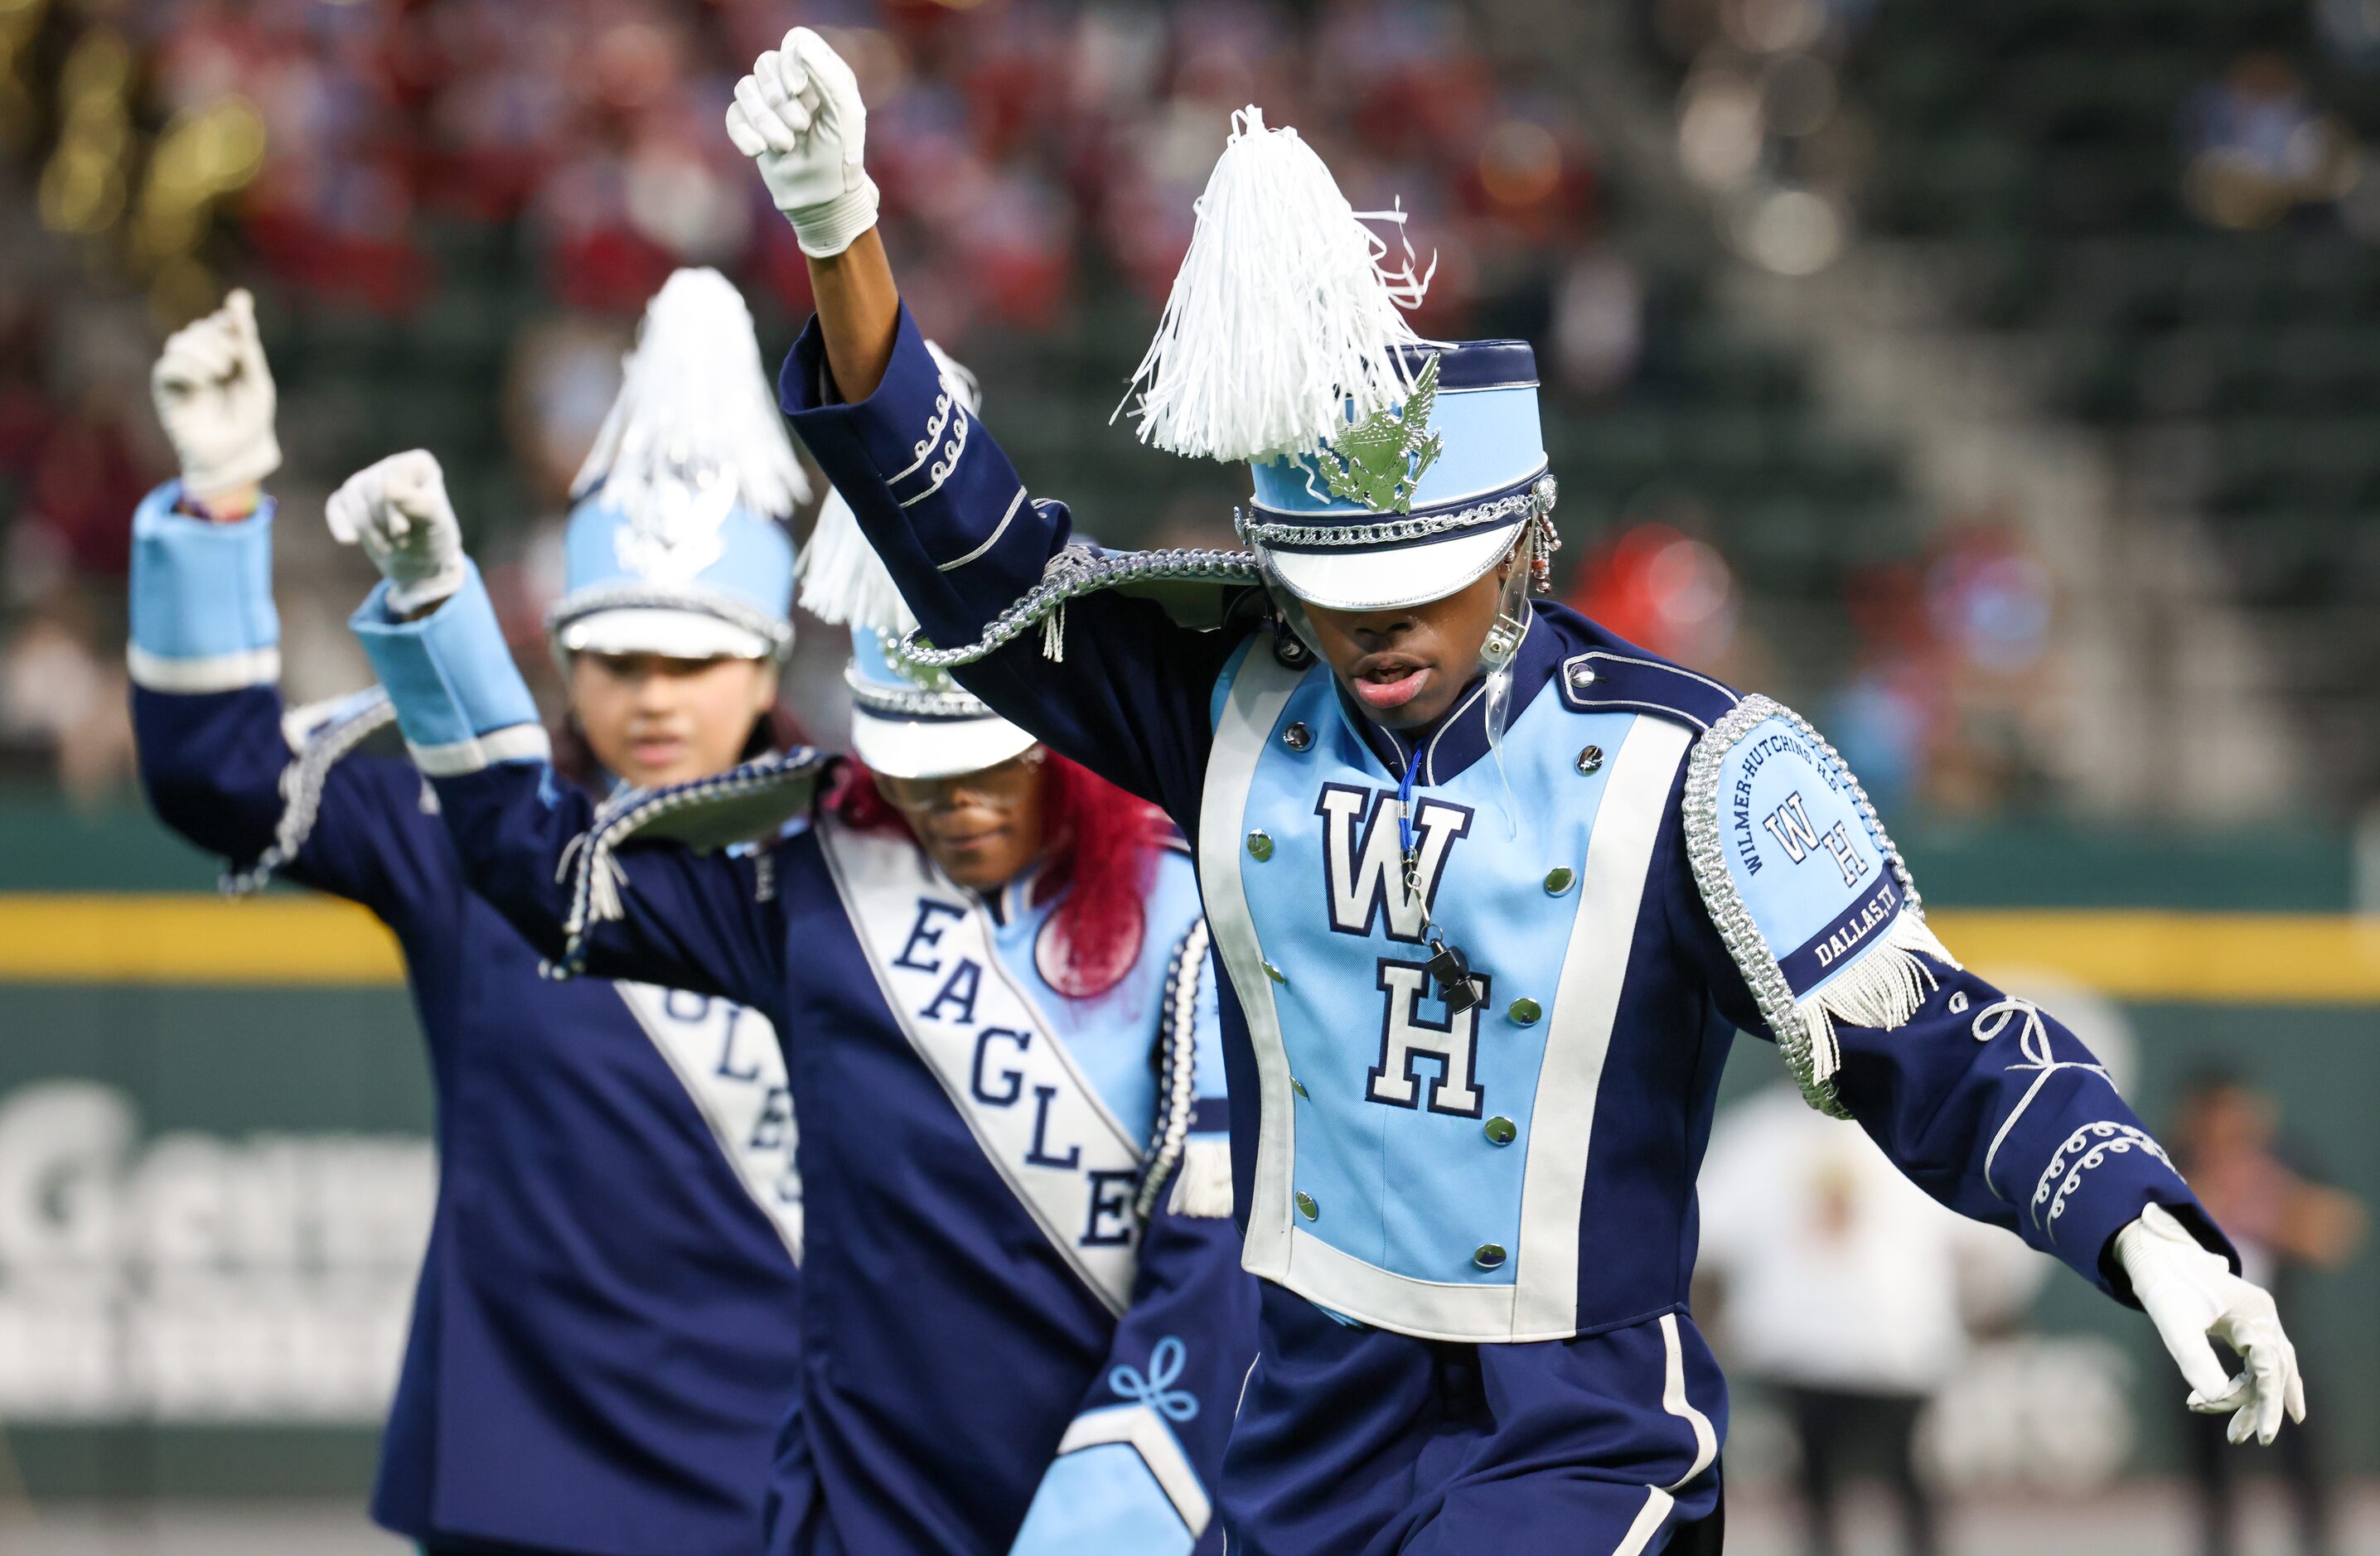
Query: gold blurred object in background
[[200, 158], [21, 21], [83, 184], [87, 186]]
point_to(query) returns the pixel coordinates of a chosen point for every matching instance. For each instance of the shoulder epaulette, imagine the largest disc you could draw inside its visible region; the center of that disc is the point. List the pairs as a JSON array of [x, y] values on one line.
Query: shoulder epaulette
[[754, 801], [1606, 679]]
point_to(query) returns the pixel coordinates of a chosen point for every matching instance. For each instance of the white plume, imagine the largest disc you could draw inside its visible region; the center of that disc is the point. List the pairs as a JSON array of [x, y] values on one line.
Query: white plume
[[694, 394], [843, 580], [1282, 310]]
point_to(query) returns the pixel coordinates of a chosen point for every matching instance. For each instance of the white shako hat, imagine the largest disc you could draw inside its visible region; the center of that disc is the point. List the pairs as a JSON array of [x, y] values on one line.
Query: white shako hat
[[1388, 470], [677, 544], [906, 721]]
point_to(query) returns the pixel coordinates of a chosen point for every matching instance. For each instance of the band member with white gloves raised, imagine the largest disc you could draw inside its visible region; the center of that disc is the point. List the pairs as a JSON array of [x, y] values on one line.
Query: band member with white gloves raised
[[1492, 888], [602, 1346], [1023, 1314]]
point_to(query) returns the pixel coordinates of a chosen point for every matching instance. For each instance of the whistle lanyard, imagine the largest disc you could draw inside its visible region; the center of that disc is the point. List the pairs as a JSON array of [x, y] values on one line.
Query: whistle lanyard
[[1407, 851], [1447, 967]]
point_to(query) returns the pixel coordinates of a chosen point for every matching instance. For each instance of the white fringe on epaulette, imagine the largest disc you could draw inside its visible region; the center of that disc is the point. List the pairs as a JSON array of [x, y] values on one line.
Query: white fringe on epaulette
[[844, 582], [694, 391], [1882, 988], [1283, 310], [1202, 1184]]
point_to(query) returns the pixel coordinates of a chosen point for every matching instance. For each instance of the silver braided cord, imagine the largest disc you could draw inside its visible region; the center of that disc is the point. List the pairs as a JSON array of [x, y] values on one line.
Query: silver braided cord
[[668, 597], [1178, 1079], [1079, 570], [591, 859], [302, 782], [1538, 498], [913, 702]]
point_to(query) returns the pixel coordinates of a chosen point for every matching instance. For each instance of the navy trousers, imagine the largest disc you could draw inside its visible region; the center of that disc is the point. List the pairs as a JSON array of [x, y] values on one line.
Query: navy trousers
[[1356, 1440]]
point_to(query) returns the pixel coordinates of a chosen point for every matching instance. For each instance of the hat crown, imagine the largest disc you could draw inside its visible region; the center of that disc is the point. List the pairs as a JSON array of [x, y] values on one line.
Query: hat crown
[[1469, 432], [679, 498]]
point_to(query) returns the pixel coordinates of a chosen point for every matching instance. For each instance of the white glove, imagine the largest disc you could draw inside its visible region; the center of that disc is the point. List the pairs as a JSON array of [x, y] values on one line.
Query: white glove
[[798, 114], [2191, 1294], [215, 397], [398, 510]]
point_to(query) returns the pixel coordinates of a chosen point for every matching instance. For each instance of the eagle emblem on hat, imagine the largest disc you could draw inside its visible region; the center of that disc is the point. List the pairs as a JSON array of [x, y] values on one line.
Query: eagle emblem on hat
[[1381, 462]]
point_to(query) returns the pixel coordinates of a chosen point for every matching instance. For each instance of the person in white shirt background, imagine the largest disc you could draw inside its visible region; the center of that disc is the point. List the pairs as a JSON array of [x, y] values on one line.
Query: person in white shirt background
[[1834, 1281]]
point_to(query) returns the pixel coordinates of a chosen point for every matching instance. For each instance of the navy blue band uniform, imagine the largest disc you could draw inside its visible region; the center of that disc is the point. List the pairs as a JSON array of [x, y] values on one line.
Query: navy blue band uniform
[[601, 1355], [1636, 861], [1023, 1319]]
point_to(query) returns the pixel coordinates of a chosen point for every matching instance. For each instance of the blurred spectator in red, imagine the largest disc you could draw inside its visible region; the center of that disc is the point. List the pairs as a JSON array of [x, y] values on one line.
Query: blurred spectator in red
[[1953, 697], [1663, 589], [2285, 1223]]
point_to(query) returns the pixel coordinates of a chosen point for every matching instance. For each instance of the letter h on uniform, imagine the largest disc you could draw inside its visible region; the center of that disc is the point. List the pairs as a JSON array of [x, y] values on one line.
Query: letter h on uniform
[[1406, 1037]]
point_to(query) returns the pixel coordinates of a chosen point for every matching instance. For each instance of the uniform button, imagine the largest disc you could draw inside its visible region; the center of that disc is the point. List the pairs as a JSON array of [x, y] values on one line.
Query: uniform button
[[1525, 1010], [1261, 845], [1306, 1207], [1500, 1132], [1298, 1086], [1275, 973], [1560, 879], [1590, 760], [1491, 1256], [1297, 737], [1581, 677]]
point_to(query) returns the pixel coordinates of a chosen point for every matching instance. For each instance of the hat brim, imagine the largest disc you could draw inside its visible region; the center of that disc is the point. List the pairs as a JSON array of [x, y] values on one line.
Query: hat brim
[[934, 747], [647, 629], [1394, 576]]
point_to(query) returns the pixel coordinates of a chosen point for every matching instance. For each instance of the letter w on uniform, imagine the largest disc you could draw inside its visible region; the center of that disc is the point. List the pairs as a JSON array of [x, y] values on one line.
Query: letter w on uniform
[[1790, 825], [1363, 868]]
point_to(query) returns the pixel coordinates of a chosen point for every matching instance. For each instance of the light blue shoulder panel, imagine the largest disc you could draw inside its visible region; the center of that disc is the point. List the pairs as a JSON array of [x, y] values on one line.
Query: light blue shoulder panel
[[1112, 1034], [1809, 894]]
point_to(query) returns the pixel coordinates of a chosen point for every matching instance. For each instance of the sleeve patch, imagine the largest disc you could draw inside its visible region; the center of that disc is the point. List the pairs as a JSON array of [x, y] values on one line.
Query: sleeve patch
[[1808, 894]]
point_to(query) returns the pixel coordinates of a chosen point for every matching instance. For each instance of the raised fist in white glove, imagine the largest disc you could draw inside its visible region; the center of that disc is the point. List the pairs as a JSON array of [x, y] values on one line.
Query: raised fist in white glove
[[398, 510], [215, 397], [2191, 1294], [798, 114]]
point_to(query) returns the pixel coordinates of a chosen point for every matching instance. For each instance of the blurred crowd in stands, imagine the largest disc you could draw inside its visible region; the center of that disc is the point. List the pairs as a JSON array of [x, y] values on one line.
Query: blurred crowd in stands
[[1039, 161]]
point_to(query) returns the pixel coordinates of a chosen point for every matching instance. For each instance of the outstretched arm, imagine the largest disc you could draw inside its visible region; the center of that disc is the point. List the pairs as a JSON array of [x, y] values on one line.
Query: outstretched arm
[[686, 920], [216, 744], [1982, 1098], [935, 495]]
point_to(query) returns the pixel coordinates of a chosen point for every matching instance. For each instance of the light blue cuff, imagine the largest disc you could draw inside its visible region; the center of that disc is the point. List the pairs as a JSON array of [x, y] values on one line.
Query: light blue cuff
[[459, 698], [201, 599], [1102, 1498]]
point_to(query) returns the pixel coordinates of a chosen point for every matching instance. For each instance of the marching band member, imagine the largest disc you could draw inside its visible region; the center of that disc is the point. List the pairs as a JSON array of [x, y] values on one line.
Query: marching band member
[[1024, 1322], [603, 1344], [1492, 889]]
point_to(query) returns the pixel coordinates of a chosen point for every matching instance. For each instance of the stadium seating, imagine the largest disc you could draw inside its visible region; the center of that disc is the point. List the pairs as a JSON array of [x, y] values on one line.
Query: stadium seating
[[2041, 148]]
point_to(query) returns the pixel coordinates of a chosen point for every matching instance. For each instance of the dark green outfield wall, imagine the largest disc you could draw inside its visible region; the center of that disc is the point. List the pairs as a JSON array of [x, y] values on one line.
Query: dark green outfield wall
[[212, 1200]]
